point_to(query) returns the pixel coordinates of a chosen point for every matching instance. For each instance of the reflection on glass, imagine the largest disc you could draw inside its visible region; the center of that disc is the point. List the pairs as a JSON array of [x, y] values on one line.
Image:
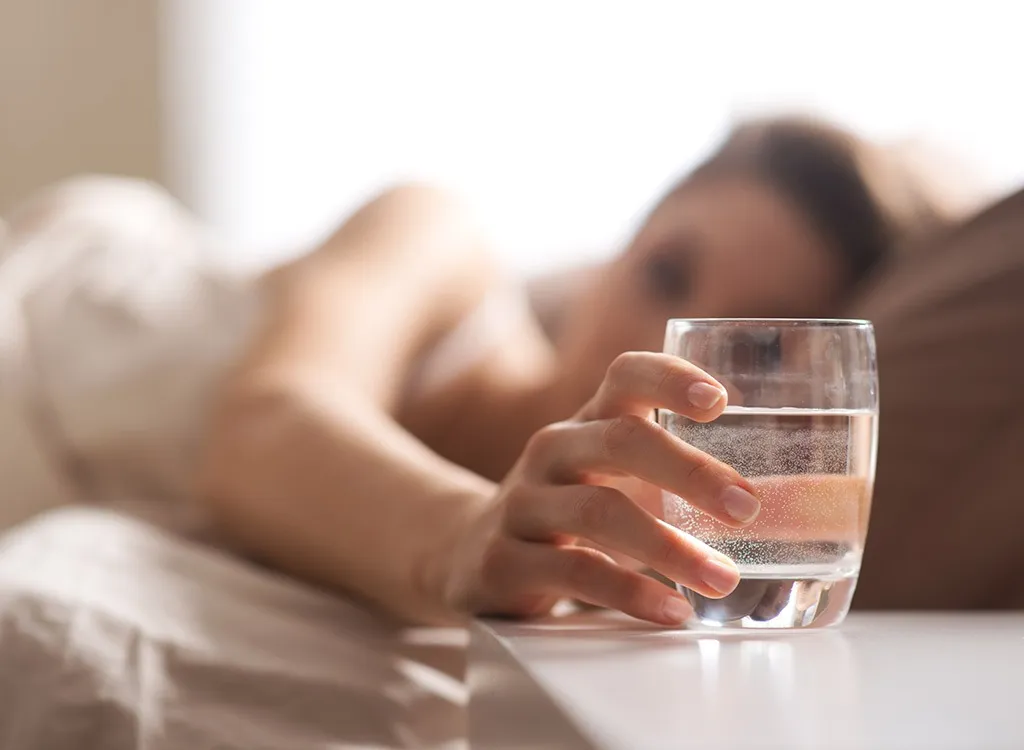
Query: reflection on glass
[[801, 426]]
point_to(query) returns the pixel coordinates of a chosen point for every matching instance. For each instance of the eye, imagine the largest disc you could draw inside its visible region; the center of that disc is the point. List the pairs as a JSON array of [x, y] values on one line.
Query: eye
[[669, 275]]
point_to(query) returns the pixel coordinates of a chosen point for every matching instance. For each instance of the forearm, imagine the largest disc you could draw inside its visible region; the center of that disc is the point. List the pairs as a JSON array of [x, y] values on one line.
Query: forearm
[[305, 465], [316, 483]]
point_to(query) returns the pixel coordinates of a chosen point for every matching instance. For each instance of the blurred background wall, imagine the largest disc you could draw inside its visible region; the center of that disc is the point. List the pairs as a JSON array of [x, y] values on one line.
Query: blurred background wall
[[559, 119], [79, 91]]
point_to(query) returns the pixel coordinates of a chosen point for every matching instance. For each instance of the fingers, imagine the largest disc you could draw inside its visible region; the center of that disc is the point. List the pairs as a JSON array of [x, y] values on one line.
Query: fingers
[[609, 518], [612, 437], [637, 382], [586, 574], [571, 452]]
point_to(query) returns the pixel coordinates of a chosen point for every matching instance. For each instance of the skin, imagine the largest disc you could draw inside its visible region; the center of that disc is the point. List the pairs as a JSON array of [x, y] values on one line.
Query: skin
[[722, 247], [319, 462], [701, 253]]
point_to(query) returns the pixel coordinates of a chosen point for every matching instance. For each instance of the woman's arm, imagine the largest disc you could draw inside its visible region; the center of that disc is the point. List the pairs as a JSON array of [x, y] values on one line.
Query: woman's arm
[[305, 468], [393, 279]]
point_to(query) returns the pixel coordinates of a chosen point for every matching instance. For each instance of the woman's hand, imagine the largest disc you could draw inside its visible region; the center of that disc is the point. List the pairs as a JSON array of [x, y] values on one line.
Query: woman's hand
[[526, 551]]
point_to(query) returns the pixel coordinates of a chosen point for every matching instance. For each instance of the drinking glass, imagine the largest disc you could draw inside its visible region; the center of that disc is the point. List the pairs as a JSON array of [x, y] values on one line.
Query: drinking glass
[[801, 425]]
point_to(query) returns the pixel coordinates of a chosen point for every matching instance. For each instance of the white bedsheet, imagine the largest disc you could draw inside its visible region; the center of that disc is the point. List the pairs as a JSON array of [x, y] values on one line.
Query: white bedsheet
[[116, 324], [116, 635], [119, 316]]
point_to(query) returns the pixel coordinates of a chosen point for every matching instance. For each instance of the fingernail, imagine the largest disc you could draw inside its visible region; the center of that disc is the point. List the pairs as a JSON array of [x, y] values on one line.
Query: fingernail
[[740, 504], [720, 576], [705, 395], [675, 609]]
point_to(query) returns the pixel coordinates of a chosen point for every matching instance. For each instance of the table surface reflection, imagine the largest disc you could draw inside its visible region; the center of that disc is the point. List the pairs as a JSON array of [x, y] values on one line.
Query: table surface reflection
[[597, 680]]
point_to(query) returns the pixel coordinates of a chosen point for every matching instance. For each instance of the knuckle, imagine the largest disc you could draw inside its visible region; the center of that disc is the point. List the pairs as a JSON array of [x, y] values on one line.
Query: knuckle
[[665, 552], [544, 441], [635, 596], [524, 512], [673, 381], [595, 508], [622, 367], [702, 469], [580, 569], [621, 432]]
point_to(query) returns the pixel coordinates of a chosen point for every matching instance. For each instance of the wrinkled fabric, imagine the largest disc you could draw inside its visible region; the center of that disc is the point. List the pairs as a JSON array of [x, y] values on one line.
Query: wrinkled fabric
[[116, 635], [119, 317]]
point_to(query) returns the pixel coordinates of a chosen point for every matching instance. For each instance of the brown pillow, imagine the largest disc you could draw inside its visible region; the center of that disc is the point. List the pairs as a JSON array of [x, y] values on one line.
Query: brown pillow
[[947, 524]]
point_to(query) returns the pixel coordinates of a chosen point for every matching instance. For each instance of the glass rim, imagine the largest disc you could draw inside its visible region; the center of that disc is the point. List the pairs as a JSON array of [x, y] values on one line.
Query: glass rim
[[772, 322]]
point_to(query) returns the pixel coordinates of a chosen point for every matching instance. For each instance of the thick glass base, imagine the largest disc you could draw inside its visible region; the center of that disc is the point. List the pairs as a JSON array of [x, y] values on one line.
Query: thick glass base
[[807, 602]]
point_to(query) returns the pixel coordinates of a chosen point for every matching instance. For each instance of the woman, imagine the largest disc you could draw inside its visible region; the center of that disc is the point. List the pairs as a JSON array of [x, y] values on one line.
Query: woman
[[403, 427]]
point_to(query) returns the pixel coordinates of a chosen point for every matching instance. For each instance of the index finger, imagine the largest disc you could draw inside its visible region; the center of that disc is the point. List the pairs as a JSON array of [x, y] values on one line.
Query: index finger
[[637, 382]]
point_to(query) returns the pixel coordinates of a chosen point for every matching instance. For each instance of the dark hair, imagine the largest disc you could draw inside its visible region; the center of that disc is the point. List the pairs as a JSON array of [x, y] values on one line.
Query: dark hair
[[860, 199]]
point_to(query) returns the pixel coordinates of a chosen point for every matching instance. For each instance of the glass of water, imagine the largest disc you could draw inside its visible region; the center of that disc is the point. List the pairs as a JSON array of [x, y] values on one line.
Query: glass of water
[[801, 425]]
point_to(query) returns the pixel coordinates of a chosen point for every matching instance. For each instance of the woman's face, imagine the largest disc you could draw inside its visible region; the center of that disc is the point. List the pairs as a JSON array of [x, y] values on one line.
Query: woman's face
[[718, 247]]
